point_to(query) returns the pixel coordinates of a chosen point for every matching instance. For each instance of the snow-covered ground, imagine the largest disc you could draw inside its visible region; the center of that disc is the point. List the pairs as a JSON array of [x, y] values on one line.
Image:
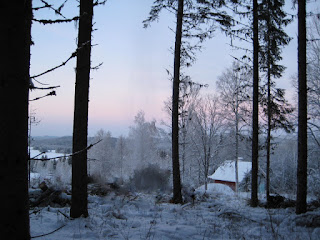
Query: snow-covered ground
[[219, 214], [49, 154]]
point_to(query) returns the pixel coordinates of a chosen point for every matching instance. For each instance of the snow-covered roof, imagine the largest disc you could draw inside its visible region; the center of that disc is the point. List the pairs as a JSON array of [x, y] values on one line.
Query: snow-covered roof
[[226, 172]]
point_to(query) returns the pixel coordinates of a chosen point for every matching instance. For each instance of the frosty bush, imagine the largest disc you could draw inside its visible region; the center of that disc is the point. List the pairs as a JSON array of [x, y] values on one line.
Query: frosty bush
[[63, 173], [56, 173], [150, 178]]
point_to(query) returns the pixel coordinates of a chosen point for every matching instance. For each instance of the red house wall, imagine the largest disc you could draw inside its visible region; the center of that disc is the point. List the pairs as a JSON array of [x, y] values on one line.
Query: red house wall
[[232, 185]]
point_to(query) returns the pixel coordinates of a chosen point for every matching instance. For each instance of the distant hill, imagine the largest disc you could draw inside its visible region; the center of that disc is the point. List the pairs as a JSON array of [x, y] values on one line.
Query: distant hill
[[59, 144], [45, 143]]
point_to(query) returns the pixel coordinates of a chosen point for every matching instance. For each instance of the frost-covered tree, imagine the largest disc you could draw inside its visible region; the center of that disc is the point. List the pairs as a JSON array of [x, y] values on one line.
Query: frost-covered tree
[[313, 70], [101, 157], [207, 124], [233, 87], [121, 156], [63, 173], [189, 93], [143, 141]]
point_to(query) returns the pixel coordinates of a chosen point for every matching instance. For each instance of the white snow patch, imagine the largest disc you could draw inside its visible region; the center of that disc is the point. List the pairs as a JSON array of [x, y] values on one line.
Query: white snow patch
[[214, 188], [139, 216]]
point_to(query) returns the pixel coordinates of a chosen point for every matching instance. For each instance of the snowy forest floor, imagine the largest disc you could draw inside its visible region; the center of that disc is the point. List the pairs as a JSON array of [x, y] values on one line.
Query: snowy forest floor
[[219, 214]]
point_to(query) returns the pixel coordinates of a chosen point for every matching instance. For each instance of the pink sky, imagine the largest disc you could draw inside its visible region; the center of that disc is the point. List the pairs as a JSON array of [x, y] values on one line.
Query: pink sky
[[133, 76]]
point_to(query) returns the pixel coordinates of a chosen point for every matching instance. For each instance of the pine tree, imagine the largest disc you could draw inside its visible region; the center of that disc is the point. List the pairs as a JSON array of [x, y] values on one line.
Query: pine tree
[[302, 175], [177, 198], [272, 19], [79, 206], [15, 41], [191, 16], [255, 111]]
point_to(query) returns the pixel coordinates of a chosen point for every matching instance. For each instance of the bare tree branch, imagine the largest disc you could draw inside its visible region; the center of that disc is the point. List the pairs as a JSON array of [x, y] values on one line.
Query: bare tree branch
[[57, 11], [74, 54], [97, 67], [96, 3], [69, 155], [52, 93], [45, 88], [37, 155]]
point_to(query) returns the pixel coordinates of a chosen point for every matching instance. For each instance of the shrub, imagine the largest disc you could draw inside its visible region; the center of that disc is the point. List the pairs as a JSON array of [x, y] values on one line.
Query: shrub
[[150, 178]]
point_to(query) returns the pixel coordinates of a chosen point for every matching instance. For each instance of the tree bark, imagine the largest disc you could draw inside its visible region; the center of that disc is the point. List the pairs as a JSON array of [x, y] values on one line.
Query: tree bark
[[177, 198], [301, 206], [79, 205], [255, 112], [269, 106], [237, 131], [15, 41]]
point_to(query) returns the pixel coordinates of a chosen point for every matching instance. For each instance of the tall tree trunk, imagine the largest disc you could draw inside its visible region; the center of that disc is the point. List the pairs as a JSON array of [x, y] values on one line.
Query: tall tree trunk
[[255, 112], [237, 133], [302, 115], [15, 41], [268, 141], [184, 139], [177, 198], [79, 206], [268, 106]]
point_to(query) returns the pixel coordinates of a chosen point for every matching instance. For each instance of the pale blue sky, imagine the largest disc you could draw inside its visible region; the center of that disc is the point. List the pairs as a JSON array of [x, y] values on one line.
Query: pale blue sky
[[133, 75]]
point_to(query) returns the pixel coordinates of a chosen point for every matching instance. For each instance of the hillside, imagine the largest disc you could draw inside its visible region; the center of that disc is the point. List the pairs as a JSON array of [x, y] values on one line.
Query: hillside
[[45, 143]]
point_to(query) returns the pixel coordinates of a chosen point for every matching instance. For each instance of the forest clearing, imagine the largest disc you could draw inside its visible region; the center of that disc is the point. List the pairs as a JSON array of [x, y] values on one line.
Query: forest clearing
[[239, 160], [217, 214]]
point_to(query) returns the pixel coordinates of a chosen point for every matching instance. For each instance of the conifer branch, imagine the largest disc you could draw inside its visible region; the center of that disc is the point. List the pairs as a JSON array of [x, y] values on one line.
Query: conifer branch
[[49, 21]]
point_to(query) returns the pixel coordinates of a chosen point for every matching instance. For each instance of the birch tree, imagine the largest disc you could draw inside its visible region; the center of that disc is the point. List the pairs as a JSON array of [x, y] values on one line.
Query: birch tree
[[207, 125], [233, 86]]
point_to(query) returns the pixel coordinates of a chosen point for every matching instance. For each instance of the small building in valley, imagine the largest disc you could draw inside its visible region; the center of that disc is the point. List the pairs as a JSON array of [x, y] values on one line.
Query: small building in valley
[[226, 174]]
